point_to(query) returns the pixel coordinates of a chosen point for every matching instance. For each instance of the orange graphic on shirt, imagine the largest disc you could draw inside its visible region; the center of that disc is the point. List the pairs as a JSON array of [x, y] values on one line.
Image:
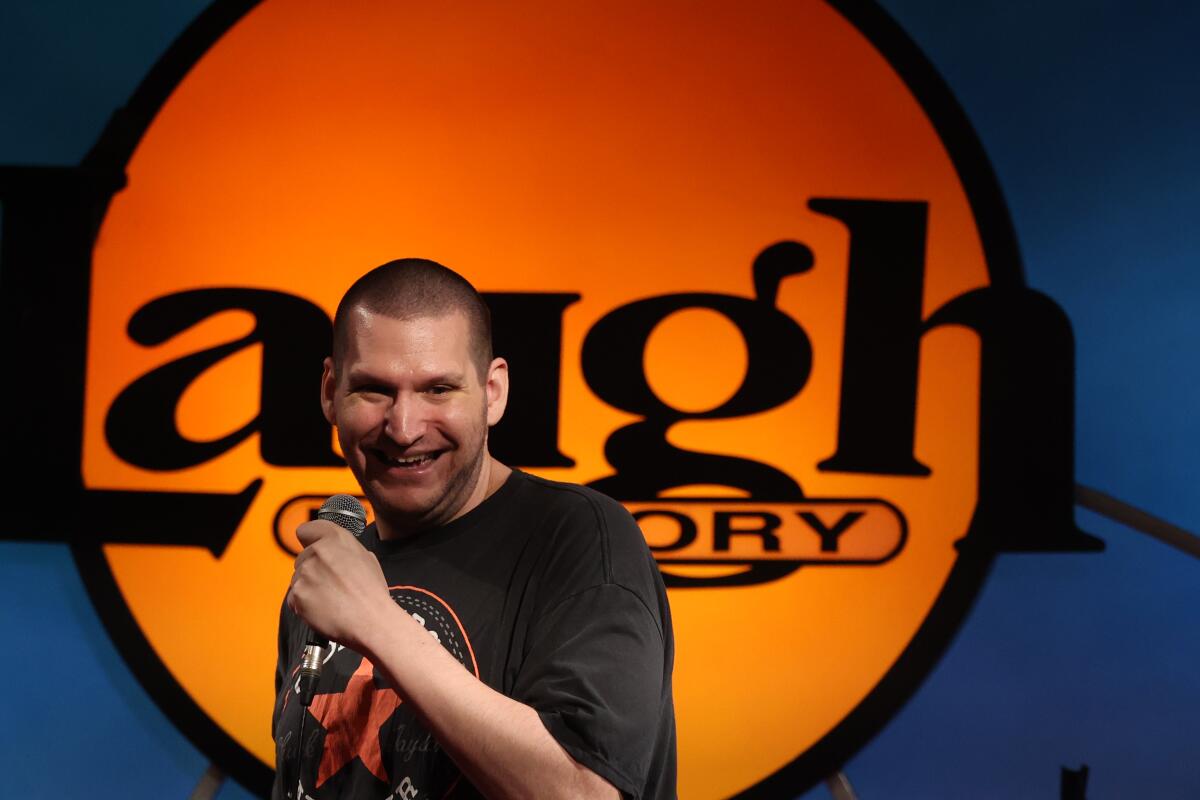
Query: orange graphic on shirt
[[352, 720]]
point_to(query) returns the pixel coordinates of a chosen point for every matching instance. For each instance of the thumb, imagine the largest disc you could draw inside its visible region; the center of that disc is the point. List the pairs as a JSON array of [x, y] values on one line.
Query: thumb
[[312, 532]]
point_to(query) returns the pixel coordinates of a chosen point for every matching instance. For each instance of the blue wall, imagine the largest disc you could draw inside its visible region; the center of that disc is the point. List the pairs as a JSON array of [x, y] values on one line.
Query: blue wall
[[1090, 113]]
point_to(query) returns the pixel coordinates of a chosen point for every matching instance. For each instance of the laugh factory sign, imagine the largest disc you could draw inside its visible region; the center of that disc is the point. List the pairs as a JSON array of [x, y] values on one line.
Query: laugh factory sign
[[750, 270]]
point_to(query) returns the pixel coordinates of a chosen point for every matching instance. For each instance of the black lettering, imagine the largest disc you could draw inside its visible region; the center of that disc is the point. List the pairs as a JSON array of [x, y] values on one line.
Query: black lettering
[[687, 528], [295, 336], [780, 359], [1026, 415], [1026, 421], [830, 536], [723, 530], [881, 346], [50, 216], [527, 332]]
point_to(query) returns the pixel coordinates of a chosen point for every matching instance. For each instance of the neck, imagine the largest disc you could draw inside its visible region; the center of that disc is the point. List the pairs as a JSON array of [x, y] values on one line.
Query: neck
[[492, 475]]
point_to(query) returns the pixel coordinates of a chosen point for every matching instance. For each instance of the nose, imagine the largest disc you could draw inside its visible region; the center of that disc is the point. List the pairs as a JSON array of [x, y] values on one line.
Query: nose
[[405, 423]]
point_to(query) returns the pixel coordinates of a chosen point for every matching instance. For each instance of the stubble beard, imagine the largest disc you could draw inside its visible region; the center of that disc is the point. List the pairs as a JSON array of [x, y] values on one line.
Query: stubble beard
[[403, 522]]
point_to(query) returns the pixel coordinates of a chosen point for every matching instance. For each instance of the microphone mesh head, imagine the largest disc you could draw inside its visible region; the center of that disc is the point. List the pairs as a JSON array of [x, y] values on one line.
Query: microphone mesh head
[[346, 512]]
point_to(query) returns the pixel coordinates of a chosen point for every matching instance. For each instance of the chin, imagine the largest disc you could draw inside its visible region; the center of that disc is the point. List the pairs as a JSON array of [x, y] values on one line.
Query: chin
[[400, 513]]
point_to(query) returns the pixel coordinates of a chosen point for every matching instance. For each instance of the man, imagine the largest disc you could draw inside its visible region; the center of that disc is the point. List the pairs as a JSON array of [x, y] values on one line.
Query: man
[[495, 634]]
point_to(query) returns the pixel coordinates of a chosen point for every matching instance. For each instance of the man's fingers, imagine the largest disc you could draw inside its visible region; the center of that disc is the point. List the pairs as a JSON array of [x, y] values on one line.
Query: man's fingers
[[305, 554], [291, 601], [315, 531]]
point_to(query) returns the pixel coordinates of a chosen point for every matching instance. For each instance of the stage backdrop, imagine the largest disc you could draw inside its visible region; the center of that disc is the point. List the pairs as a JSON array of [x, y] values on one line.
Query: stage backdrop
[[755, 277]]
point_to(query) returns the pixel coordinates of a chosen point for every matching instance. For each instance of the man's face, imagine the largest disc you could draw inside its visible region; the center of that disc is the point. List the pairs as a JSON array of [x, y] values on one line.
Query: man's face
[[412, 415]]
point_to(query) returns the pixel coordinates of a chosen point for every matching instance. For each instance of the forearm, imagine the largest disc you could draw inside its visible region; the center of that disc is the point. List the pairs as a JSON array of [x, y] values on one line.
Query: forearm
[[500, 744]]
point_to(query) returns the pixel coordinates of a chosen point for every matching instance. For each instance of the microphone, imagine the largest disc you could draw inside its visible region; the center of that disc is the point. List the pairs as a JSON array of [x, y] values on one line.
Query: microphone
[[346, 512]]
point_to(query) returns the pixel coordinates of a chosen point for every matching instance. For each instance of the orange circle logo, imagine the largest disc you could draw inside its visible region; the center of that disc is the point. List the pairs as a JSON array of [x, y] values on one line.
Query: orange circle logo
[[749, 269]]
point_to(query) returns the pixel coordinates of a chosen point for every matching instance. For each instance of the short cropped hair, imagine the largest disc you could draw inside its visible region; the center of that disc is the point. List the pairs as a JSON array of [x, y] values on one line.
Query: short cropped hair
[[417, 287]]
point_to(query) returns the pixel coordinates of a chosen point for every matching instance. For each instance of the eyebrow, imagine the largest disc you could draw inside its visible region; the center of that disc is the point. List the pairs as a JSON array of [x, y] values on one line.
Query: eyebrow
[[363, 376], [455, 378]]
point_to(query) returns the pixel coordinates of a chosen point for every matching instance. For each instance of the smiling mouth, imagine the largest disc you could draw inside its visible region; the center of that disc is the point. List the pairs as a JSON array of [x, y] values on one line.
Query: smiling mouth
[[407, 462]]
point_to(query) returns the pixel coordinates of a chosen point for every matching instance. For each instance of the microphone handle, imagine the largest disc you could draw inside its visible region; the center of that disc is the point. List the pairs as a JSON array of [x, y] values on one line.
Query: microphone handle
[[310, 667], [347, 513]]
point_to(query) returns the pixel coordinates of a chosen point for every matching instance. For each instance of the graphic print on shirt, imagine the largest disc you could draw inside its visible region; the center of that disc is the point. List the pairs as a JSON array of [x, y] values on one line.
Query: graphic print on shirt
[[360, 724]]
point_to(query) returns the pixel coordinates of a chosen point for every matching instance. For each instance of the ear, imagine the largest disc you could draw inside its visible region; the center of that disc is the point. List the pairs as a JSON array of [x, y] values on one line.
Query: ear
[[497, 390], [328, 389]]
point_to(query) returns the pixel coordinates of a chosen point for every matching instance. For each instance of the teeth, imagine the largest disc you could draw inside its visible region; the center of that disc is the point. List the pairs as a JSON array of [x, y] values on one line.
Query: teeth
[[407, 462]]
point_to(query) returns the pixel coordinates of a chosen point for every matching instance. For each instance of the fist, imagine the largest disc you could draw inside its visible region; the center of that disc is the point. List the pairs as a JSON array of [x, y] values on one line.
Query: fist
[[337, 586]]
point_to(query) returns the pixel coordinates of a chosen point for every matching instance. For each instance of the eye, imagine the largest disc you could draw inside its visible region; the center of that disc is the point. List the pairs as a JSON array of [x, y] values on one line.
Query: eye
[[441, 388]]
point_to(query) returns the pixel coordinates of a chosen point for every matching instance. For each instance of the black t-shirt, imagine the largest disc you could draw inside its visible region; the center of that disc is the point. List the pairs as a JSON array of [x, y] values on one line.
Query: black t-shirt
[[545, 591]]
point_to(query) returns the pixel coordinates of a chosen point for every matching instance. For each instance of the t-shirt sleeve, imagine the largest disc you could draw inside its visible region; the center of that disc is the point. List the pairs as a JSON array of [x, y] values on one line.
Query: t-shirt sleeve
[[595, 672]]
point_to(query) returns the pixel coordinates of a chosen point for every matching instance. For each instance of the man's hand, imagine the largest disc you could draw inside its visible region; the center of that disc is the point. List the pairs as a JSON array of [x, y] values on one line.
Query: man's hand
[[501, 745], [337, 586]]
